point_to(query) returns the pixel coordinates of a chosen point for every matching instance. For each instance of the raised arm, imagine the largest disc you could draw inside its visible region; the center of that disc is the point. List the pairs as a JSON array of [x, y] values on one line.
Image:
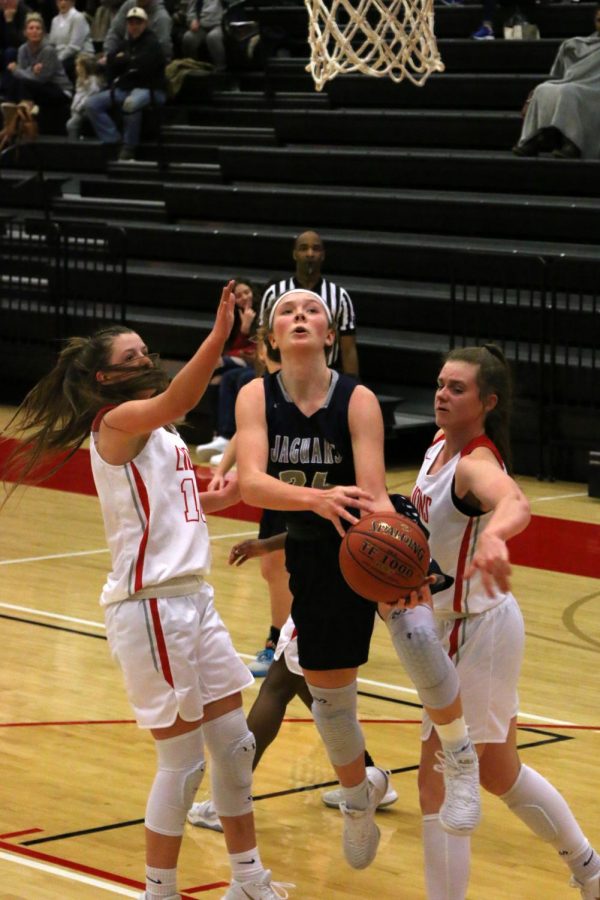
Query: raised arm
[[137, 417]]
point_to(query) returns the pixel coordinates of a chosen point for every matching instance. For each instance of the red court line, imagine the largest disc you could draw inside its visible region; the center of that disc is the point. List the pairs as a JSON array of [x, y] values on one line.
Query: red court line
[[76, 477], [293, 720], [91, 870], [69, 864], [418, 722], [559, 545], [12, 834], [205, 887], [74, 722], [559, 726]]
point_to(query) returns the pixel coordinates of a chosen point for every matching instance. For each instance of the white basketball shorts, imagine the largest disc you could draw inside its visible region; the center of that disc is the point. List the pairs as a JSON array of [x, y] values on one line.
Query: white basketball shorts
[[288, 646], [176, 656], [488, 662]]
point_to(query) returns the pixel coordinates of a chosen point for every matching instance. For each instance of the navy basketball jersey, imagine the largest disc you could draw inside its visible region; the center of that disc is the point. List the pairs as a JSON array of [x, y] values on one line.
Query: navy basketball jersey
[[312, 451]]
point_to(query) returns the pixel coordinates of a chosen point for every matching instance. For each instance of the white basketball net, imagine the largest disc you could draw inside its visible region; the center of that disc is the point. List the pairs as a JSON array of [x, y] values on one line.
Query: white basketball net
[[391, 38]]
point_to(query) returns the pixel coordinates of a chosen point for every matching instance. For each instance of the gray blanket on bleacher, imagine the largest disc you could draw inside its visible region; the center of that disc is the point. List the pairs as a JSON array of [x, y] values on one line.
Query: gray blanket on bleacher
[[570, 101]]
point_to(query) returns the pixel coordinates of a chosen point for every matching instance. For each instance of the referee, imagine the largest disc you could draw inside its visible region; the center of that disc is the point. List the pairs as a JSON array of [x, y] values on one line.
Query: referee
[[308, 255]]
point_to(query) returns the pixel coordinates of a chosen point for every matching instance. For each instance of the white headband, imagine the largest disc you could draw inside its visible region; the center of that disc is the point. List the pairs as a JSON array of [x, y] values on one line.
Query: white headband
[[287, 294]]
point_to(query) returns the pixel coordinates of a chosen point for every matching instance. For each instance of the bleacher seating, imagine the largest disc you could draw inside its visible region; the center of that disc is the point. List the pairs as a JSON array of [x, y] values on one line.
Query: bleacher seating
[[414, 191]]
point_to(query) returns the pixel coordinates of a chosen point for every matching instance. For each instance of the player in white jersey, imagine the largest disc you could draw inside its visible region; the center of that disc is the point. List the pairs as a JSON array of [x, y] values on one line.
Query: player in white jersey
[[182, 674], [471, 507]]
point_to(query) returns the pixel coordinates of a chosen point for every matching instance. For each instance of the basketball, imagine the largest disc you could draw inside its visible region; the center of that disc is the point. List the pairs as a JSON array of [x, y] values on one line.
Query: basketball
[[384, 557]]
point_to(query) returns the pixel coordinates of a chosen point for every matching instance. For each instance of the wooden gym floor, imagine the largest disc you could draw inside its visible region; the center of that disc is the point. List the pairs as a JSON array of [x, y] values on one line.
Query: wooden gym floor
[[76, 770]]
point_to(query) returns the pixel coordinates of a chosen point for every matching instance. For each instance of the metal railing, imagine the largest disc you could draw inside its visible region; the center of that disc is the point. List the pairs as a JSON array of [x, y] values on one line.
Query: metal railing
[[545, 315], [60, 278]]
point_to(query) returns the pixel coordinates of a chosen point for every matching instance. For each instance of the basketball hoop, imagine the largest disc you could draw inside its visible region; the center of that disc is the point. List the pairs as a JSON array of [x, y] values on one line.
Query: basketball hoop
[[392, 38]]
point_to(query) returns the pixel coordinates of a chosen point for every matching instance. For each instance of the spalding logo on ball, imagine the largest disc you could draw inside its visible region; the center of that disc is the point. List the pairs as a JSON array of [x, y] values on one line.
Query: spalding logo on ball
[[384, 557]]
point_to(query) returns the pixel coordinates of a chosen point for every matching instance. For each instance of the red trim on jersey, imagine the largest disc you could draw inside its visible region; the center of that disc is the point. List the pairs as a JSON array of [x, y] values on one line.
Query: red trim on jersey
[[143, 497], [460, 567], [161, 645], [482, 441], [100, 415], [453, 648]]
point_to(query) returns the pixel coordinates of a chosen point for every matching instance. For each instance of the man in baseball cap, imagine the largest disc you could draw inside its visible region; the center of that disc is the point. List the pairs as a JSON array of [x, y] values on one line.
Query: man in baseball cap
[[137, 13], [136, 74]]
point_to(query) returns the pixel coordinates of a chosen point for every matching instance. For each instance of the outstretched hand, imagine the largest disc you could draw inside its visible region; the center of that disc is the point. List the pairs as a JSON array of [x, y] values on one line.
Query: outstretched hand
[[245, 550], [216, 483], [332, 504], [492, 562], [225, 312]]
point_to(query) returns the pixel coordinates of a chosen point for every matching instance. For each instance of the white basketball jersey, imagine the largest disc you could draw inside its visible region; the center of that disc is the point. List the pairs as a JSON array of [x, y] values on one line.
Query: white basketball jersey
[[153, 520], [454, 530]]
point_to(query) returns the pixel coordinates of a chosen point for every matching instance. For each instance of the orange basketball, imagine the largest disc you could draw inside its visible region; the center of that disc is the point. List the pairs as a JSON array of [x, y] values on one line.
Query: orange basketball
[[384, 557]]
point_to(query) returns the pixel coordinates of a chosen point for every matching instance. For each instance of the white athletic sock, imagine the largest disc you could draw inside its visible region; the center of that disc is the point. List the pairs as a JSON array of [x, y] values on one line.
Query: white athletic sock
[[447, 861], [540, 806], [453, 736], [161, 884], [246, 866], [356, 797]]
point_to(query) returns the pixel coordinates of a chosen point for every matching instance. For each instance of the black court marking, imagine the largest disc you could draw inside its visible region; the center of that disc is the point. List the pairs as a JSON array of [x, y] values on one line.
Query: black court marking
[[71, 834], [100, 637], [551, 737], [548, 738]]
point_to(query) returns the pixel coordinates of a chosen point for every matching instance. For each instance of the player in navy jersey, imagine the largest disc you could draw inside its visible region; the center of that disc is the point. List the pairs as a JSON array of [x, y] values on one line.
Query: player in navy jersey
[[310, 443]]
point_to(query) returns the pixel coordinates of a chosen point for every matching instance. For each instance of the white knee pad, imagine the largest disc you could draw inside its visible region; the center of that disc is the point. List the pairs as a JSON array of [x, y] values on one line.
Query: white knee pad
[[546, 812], [180, 769], [232, 748], [334, 712], [421, 653]]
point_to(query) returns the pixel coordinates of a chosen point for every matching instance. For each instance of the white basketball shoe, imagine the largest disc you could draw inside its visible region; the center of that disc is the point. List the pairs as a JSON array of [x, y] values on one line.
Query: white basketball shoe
[[265, 889], [361, 834], [204, 815], [461, 810]]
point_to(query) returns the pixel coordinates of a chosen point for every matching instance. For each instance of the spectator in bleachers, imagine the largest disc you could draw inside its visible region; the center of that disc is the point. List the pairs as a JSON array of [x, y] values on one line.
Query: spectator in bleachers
[[37, 76], [45, 8], [485, 32], [236, 368], [136, 74], [102, 17], [562, 115], [12, 25], [159, 23], [309, 255], [204, 18], [70, 34], [87, 83]]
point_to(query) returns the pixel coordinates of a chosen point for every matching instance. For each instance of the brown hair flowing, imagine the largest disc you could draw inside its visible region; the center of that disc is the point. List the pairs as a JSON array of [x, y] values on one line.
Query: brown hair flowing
[[55, 417]]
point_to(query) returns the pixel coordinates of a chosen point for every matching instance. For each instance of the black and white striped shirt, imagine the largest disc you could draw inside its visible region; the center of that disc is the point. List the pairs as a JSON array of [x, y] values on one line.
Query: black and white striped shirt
[[338, 302]]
